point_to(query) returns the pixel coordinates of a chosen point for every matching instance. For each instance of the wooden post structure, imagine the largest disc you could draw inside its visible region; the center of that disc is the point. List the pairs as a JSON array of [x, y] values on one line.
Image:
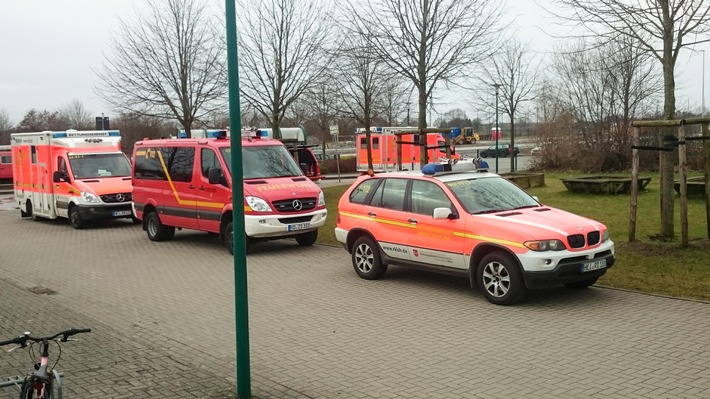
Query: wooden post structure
[[683, 171], [706, 161], [634, 185]]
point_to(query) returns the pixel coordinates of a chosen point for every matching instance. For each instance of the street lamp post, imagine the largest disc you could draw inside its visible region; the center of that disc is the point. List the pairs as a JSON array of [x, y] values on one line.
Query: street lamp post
[[702, 112], [497, 87]]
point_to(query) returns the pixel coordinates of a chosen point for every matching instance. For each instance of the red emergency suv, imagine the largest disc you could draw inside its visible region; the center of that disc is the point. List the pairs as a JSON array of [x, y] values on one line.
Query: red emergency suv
[[470, 223]]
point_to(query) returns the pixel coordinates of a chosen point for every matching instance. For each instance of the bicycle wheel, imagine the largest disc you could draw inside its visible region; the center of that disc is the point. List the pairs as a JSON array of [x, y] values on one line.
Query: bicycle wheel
[[56, 389], [27, 389]]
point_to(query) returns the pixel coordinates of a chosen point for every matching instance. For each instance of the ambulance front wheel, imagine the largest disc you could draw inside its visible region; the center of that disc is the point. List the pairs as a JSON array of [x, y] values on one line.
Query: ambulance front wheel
[[156, 230], [75, 219]]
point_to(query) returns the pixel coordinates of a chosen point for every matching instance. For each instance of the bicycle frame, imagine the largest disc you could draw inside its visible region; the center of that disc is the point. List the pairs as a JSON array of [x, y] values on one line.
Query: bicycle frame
[[43, 383], [40, 385]]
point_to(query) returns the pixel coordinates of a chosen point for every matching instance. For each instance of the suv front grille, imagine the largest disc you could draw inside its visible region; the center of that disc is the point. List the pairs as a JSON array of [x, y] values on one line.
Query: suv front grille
[[593, 238], [576, 240], [291, 205], [117, 198]]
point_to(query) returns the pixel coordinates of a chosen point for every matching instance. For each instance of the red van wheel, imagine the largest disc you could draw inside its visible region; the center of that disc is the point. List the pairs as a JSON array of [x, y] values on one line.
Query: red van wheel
[[156, 230]]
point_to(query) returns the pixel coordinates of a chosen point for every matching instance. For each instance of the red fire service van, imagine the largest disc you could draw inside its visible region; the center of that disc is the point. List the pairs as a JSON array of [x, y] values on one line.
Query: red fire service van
[[5, 163], [187, 183], [79, 175]]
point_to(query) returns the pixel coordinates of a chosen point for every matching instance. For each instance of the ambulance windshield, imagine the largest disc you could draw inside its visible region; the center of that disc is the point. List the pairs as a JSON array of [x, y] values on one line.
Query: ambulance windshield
[[92, 166], [261, 162]]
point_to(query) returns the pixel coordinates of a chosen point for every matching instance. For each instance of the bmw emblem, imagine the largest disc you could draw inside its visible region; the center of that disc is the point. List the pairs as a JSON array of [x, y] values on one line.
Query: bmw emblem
[[297, 205]]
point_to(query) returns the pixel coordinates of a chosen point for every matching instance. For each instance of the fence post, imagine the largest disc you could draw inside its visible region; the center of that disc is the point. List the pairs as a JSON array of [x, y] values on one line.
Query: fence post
[[683, 171], [634, 185]]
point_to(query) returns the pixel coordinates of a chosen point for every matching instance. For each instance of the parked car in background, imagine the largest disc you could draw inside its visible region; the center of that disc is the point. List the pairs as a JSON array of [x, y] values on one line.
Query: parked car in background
[[504, 150]]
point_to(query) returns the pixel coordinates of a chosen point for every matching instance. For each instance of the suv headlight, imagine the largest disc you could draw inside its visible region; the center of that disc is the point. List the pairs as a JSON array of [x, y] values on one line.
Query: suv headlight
[[257, 204], [605, 235], [321, 199], [90, 198], [545, 245]]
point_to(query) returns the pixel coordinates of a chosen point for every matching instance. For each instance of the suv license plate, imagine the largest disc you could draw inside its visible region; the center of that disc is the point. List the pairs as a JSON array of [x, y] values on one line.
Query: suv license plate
[[596, 265], [121, 213], [298, 226]]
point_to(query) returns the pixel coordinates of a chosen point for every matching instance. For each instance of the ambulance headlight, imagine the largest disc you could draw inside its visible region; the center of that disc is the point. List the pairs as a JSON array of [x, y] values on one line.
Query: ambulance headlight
[[257, 204], [90, 198], [321, 199]]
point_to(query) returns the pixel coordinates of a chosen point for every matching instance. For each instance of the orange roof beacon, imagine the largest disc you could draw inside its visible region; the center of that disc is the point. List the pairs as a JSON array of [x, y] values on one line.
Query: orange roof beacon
[[187, 183], [79, 175], [456, 219]]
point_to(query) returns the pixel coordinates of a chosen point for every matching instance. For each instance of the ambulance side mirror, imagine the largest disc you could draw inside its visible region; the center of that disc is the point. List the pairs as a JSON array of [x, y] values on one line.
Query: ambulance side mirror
[[58, 176], [215, 176]]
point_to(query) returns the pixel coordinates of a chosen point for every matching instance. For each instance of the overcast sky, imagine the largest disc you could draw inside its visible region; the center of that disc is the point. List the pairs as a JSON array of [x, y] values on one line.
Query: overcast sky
[[51, 47]]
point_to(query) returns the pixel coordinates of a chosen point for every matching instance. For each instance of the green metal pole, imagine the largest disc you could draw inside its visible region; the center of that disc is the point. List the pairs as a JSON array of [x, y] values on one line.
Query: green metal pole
[[241, 307]]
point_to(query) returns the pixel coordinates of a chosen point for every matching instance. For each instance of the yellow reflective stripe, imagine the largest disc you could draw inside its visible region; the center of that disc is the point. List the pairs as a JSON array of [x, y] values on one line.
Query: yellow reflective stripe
[[414, 226], [489, 239], [379, 220], [206, 204]]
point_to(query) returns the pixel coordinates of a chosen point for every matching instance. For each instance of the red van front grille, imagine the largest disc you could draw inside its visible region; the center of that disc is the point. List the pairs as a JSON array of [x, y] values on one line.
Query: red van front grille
[[295, 205]]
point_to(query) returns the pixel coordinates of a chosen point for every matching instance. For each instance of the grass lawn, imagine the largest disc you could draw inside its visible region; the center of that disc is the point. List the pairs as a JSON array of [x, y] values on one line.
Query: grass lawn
[[647, 265]]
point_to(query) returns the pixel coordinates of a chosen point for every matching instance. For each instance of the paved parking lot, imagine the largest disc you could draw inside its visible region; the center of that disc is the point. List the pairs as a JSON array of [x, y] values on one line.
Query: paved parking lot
[[162, 316]]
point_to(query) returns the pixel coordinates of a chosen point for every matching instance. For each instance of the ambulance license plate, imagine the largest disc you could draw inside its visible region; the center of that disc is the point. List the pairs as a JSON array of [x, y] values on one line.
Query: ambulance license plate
[[298, 226], [121, 213], [596, 265]]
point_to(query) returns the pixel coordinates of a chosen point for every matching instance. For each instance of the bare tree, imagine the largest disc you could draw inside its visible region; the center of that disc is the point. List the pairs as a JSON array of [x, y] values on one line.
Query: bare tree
[[5, 127], [662, 28], [362, 78], [393, 102], [76, 115], [37, 121], [320, 101], [5, 123], [282, 53], [167, 63], [516, 73], [600, 88], [427, 41]]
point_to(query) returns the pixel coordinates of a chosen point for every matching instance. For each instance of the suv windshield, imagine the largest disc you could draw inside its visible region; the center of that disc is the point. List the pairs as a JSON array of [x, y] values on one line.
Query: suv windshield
[[90, 166], [490, 194], [264, 161]]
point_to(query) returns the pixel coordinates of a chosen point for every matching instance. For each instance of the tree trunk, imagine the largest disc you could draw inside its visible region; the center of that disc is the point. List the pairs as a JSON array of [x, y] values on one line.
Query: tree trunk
[[667, 158], [422, 124]]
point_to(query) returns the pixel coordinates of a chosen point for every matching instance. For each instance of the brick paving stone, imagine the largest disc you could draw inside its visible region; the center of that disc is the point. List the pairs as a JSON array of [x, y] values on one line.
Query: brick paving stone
[[162, 316]]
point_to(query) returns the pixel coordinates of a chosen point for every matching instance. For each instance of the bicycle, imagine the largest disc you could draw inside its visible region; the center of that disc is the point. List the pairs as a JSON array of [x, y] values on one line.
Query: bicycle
[[45, 380]]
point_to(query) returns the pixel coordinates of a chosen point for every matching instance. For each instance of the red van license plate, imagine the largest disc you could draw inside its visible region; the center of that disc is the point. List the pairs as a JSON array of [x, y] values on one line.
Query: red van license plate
[[298, 226], [596, 265]]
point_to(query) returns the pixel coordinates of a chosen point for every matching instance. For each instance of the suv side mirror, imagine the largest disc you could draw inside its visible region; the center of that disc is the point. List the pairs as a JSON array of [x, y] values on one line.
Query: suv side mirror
[[443, 213]]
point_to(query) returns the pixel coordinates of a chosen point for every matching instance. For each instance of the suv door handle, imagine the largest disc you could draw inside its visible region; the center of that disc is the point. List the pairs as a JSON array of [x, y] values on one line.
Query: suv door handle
[[414, 221], [201, 188], [191, 187], [373, 214]]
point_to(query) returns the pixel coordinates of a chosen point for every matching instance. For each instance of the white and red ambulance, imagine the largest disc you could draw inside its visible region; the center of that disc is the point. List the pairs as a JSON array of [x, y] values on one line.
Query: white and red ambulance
[[386, 157], [78, 175]]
